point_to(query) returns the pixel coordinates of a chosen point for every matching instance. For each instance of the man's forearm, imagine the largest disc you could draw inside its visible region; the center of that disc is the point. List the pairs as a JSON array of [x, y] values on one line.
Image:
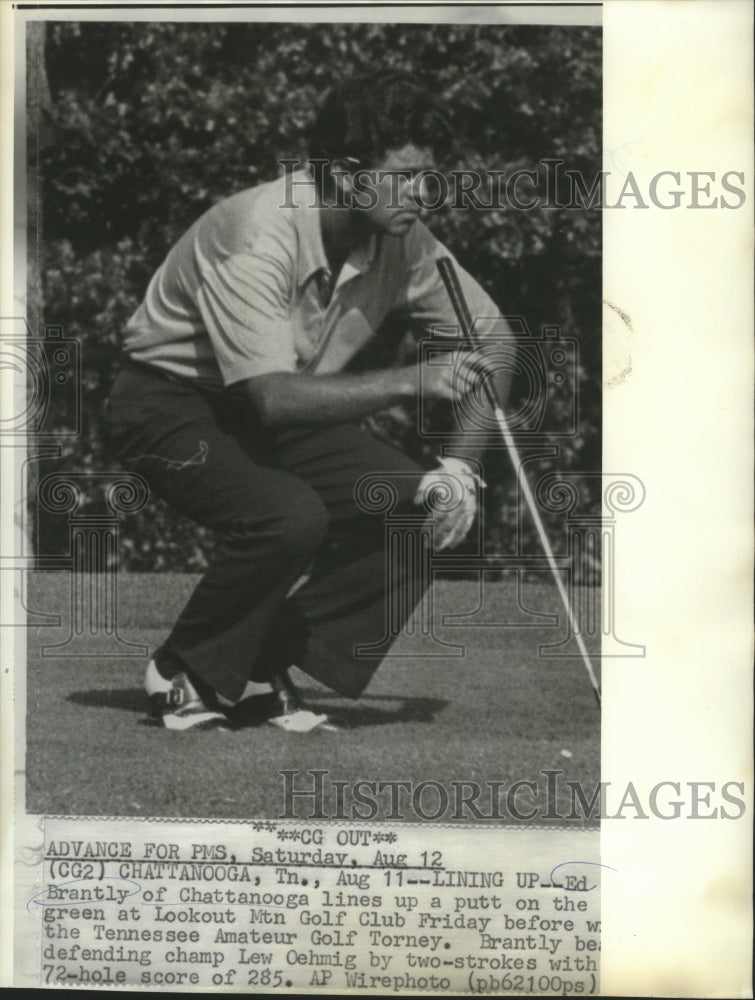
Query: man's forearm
[[473, 432], [285, 399]]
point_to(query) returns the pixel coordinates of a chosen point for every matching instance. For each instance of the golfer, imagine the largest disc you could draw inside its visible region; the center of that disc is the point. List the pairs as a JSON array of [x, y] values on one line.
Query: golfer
[[235, 406]]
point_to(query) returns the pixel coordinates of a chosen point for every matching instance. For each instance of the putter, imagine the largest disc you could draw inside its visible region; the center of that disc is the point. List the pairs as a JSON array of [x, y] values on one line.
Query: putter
[[455, 294]]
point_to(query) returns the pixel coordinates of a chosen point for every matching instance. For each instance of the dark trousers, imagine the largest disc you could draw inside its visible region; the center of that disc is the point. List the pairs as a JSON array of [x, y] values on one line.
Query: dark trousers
[[272, 498]]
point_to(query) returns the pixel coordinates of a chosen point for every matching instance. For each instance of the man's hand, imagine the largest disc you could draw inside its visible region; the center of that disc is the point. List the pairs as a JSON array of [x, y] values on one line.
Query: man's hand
[[450, 494], [451, 376]]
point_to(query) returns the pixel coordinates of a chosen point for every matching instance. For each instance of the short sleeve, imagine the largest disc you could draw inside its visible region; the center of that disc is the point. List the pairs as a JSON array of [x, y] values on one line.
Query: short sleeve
[[244, 304]]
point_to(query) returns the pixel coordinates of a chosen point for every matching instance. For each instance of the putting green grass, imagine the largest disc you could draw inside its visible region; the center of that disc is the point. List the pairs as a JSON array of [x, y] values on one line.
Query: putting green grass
[[501, 712]]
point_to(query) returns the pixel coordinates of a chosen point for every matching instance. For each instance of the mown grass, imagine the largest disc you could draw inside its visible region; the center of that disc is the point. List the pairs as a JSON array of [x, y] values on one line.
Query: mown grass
[[502, 712]]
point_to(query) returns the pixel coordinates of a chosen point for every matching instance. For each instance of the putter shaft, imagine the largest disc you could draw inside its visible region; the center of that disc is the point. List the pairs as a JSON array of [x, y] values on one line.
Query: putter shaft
[[456, 295]]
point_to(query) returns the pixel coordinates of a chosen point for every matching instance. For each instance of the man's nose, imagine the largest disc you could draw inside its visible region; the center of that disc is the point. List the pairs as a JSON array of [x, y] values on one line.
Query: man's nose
[[417, 190], [427, 191]]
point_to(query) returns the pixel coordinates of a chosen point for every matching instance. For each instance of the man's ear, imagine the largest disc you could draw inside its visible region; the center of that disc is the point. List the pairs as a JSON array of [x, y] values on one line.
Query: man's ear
[[341, 170]]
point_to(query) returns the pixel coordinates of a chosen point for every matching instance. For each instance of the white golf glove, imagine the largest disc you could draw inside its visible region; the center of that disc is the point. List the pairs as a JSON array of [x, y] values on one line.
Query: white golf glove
[[450, 495]]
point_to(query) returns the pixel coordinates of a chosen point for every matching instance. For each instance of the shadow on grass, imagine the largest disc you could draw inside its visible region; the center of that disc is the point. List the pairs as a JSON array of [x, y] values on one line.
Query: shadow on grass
[[359, 714], [126, 699], [355, 715]]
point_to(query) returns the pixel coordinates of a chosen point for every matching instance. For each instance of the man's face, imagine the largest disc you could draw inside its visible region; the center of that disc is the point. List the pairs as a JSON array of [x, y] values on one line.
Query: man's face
[[393, 192]]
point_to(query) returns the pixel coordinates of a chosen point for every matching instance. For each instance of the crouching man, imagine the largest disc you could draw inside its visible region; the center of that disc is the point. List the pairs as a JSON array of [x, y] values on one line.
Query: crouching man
[[234, 405]]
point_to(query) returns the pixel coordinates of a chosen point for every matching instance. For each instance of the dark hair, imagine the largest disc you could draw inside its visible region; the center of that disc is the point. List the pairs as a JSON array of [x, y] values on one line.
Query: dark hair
[[364, 117]]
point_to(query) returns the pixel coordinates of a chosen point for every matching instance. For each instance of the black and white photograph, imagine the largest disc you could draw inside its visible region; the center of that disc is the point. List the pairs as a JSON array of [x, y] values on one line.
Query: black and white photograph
[[328, 491], [376, 541]]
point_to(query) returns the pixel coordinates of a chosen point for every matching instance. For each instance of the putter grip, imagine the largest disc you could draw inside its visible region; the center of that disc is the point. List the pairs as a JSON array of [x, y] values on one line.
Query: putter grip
[[453, 286]]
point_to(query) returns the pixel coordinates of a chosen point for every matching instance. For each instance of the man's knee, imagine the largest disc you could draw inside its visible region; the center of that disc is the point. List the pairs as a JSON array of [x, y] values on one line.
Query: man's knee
[[302, 521], [289, 514], [293, 527], [389, 492]]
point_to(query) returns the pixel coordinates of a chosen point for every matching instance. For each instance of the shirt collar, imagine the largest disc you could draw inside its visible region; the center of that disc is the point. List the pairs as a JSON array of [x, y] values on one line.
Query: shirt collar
[[311, 253], [358, 261]]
